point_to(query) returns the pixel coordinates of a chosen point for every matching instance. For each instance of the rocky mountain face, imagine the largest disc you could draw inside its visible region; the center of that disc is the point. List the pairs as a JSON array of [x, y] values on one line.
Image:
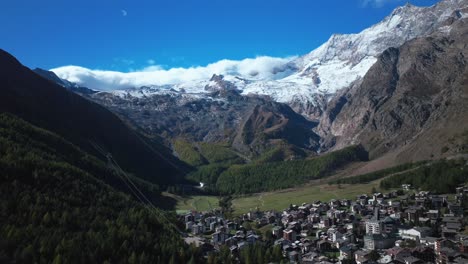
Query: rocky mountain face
[[250, 123], [346, 58], [308, 82], [389, 87], [414, 99]]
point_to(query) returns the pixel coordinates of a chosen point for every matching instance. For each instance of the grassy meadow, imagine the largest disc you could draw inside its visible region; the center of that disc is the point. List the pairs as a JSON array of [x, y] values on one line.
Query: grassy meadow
[[277, 200]]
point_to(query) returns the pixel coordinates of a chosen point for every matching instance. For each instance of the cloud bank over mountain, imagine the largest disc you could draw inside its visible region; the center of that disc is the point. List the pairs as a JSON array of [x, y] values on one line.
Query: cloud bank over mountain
[[259, 68], [377, 3]]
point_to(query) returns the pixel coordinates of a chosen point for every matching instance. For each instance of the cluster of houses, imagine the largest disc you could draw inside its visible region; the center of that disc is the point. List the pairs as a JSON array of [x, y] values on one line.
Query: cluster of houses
[[397, 227]]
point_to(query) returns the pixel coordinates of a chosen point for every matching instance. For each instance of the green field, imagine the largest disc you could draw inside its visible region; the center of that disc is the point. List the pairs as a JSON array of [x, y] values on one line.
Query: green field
[[277, 200], [197, 203], [282, 199]]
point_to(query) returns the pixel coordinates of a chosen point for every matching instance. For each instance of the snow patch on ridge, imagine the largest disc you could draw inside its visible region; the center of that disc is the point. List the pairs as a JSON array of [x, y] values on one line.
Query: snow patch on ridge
[[333, 66]]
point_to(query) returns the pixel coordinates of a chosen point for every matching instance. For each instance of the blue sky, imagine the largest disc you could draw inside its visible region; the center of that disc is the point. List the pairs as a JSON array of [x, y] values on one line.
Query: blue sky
[[126, 35]]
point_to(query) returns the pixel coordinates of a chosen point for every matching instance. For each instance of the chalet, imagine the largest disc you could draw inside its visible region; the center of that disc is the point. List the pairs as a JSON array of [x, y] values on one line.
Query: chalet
[[379, 241], [310, 258], [426, 254], [406, 187], [219, 237], [438, 201], [361, 256], [277, 231], [409, 260], [188, 225], [455, 209], [347, 252], [415, 233], [293, 256], [289, 234], [412, 214], [433, 214], [324, 245]]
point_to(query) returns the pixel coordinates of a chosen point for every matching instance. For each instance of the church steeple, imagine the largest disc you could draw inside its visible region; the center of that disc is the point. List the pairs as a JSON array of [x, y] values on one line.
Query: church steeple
[[376, 213]]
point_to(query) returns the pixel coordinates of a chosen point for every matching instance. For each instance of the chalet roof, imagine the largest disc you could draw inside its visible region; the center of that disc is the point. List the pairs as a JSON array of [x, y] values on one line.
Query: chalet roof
[[323, 242], [388, 220], [396, 250], [448, 219], [453, 226], [421, 249], [347, 249], [410, 260]]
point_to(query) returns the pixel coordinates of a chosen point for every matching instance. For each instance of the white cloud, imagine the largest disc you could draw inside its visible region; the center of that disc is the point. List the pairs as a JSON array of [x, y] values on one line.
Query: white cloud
[[151, 62], [124, 12], [377, 3], [263, 67]]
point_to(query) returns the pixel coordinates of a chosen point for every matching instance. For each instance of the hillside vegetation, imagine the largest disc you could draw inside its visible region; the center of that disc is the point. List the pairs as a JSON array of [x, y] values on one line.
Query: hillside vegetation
[[250, 178], [372, 176], [45, 104], [223, 171], [439, 177], [188, 153], [203, 153], [281, 153], [59, 204]]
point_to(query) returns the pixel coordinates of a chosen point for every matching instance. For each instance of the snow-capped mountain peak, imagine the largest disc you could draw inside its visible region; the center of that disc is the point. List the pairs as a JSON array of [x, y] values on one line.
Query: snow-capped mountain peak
[[307, 82]]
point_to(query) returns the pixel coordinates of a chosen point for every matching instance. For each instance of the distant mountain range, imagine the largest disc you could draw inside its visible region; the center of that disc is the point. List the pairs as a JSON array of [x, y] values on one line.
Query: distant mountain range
[[308, 82], [375, 88]]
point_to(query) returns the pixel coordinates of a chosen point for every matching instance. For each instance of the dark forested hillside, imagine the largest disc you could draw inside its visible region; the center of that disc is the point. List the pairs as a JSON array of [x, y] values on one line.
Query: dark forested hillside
[[279, 175], [84, 123], [372, 176], [441, 177], [59, 204]]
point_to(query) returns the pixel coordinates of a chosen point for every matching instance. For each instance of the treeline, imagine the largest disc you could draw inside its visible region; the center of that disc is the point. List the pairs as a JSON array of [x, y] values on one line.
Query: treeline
[[202, 153], [217, 153], [439, 177], [208, 174], [250, 178], [188, 153], [257, 253], [209, 160], [282, 152], [59, 205], [369, 177]]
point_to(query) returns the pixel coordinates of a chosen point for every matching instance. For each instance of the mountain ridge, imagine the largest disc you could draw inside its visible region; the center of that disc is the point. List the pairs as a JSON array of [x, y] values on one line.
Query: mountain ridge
[[308, 82], [229, 101], [84, 123], [405, 98]]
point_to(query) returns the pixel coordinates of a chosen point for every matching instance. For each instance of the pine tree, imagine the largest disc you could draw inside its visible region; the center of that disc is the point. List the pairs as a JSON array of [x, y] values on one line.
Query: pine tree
[[192, 260], [133, 258], [57, 259]]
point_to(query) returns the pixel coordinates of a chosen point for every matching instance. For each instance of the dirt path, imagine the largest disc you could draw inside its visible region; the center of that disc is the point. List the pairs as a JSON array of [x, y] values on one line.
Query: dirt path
[[260, 199]]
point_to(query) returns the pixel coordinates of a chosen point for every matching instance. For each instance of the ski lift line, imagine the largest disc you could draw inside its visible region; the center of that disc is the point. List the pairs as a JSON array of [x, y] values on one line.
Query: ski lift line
[[148, 203], [116, 167], [126, 183], [160, 155], [134, 185], [99, 149]]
